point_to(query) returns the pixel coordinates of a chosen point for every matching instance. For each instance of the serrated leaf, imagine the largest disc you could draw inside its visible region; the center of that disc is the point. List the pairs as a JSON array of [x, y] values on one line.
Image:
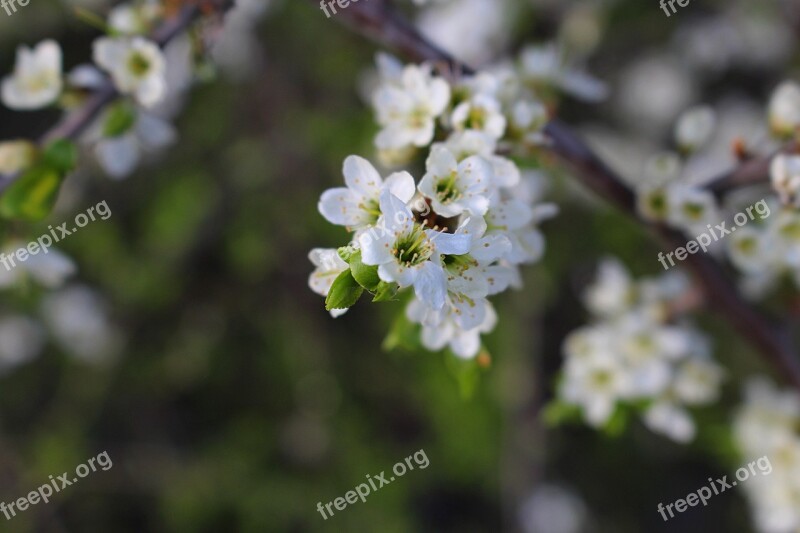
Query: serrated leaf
[[344, 292], [365, 275]]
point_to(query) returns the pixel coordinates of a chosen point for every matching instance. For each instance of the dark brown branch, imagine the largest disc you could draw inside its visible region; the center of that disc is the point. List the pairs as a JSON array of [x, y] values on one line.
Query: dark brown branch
[[751, 172], [380, 22]]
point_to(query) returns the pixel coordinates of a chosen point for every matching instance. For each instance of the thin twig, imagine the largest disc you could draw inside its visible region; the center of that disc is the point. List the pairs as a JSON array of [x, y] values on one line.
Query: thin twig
[[380, 22]]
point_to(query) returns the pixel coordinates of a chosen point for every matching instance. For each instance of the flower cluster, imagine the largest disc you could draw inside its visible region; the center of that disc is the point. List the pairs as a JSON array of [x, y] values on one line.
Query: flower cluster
[[459, 234], [767, 424], [633, 356], [151, 80]]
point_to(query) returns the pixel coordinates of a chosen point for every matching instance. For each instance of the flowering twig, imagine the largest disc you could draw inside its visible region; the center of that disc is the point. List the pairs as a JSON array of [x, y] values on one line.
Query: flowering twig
[[377, 20], [72, 125]]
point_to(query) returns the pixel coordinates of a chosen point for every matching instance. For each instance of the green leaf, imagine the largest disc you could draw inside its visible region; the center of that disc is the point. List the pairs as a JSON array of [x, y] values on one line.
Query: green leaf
[[61, 156], [344, 292], [385, 292], [365, 275], [120, 118], [556, 413], [32, 196]]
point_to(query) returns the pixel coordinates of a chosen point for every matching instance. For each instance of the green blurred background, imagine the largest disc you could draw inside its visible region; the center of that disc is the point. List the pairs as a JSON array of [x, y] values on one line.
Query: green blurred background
[[238, 403]]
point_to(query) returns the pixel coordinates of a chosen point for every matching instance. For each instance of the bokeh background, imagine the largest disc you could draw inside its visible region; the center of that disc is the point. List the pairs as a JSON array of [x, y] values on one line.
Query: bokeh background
[[226, 396]]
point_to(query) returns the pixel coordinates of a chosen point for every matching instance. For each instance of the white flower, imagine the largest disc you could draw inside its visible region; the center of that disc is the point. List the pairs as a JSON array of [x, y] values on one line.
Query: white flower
[[750, 249], [613, 291], [697, 381], [16, 156], [404, 250], [480, 113], [358, 205], [407, 111], [36, 81], [596, 384], [129, 19], [785, 174], [455, 187], [78, 320], [465, 343], [545, 64], [691, 208], [784, 108], [464, 144], [328, 266], [136, 65], [49, 270], [694, 128], [119, 155], [21, 340], [671, 420]]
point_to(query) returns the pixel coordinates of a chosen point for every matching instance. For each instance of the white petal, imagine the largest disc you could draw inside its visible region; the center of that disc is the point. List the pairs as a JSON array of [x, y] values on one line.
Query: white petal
[[401, 184], [449, 243], [361, 176], [430, 285], [340, 206]]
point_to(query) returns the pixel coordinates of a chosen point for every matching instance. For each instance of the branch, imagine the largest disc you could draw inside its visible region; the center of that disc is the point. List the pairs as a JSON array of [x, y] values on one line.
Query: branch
[[380, 22], [751, 172]]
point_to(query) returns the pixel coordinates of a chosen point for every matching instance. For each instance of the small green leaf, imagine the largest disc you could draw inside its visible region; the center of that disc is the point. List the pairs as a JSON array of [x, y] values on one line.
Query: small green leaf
[[344, 292], [32, 196], [120, 118], [365, 275], [61, 156], [557, 413], [385, 292]]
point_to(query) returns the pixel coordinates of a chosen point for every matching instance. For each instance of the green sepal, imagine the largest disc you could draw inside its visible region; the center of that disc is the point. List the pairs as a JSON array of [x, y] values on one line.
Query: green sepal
[[344, 292], [32, 196], [385, 292], [119, 119]]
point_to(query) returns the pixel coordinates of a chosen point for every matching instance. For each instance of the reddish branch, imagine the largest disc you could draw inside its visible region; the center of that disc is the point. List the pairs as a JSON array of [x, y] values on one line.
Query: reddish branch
[[379, 21]]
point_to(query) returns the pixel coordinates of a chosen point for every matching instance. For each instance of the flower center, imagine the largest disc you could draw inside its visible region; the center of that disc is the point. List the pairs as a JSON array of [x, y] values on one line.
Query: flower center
[[138, 64], [413, 248], [446, 190]]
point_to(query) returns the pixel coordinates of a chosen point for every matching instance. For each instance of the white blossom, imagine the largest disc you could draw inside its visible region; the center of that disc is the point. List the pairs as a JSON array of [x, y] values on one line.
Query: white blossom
[[136, 65], [36, 81], [407, 111]]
